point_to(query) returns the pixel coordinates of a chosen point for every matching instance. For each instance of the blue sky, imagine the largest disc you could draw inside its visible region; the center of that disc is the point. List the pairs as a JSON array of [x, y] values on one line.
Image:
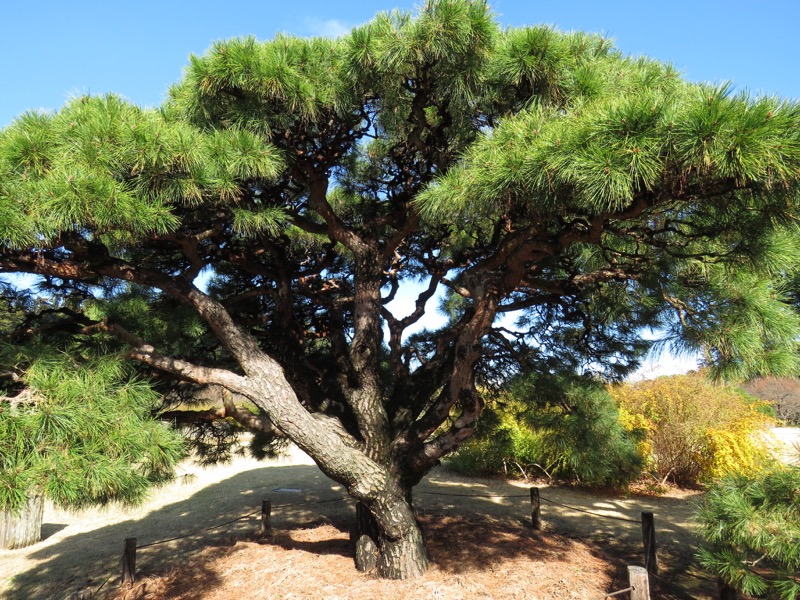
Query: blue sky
[[52, 49]]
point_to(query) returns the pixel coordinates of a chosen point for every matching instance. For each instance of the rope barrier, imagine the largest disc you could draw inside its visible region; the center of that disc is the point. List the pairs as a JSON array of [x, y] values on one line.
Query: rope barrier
[[475, 495], [102, 585], [618, 592], [575, 508], [188, 535], [445, 494], [688, 574], [341, 498], [699, 577], [589, 512], [247, 516], [311, 502], [80, 593]]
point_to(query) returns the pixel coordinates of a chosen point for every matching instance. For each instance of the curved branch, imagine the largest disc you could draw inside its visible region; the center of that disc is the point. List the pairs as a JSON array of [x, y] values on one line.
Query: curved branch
[[147, 354], [248, 419]]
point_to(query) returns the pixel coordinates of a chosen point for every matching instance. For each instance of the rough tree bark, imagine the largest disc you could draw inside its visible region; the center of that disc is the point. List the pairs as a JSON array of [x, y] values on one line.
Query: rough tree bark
[[374, 482]]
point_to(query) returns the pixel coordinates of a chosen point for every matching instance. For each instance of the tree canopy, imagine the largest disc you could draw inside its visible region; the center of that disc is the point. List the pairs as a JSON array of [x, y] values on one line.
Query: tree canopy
[[519, 171]]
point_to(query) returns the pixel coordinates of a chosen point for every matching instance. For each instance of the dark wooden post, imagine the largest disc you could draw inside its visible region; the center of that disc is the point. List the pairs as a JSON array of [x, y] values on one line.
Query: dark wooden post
[[266, 518], [536, 509], [649, 539], [129, 561], [639, 582], [725, 591]]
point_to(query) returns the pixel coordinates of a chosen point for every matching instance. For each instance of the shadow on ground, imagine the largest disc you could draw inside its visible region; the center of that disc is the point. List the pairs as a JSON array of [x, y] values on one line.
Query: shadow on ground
[[88, 559], [50, 529], [492, 516], [612, 525]]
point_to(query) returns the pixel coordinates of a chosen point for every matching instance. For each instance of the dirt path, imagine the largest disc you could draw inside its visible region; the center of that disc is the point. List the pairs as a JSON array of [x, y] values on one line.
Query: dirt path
[[83, 549]]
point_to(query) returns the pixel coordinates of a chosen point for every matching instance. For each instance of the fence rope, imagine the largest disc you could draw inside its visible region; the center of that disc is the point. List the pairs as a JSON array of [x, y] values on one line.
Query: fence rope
[[698, 577], [546, 499], [589, 512], [341, 498], [247, 516], [97, 591], [102, 585], [310, 502], [188, 535], [619, 592], [687, 574], [346, 497], [474, 495]]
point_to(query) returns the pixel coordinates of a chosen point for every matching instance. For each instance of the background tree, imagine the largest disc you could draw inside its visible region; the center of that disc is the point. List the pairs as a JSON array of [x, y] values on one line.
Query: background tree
[[78, 434], [561, 427], [520, 171], [782, 392]]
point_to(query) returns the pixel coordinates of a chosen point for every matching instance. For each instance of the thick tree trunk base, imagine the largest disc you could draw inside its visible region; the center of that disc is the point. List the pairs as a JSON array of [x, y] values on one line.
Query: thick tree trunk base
[[402, 558], [405, 558], [22, 529]]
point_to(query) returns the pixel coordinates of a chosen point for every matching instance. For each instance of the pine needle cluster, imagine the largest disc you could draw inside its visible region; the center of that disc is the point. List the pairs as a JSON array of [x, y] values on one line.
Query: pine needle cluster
[[752, 530], [80, 433]]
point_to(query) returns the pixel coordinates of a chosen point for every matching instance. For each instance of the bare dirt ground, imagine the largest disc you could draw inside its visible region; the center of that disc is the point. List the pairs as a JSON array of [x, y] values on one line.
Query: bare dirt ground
[[479, 535]]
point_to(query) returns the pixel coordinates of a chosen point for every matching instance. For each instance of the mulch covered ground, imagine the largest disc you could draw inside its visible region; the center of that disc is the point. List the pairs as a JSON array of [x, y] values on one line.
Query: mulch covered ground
[[475, 557]]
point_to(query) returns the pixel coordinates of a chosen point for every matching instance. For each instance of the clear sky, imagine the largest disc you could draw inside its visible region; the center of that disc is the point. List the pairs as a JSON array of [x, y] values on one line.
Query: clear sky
[[51, 50]]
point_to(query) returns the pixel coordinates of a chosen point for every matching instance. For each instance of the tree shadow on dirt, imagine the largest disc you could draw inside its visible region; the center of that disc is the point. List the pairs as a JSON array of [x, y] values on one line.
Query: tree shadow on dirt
[[88, 559], [470, 524], [467, 542], [50, 529], [610, 525]]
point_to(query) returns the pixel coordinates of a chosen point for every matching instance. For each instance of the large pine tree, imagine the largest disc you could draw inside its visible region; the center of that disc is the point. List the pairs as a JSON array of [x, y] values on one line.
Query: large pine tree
[[520, 171]]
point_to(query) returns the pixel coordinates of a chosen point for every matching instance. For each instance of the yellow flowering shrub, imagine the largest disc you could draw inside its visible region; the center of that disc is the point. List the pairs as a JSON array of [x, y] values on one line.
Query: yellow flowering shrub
[[736, 448], [694, 430]]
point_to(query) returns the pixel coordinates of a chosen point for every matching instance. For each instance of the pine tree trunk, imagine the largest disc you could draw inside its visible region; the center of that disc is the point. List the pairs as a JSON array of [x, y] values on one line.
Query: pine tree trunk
[[404, 558], [18, 530], [389, 540]]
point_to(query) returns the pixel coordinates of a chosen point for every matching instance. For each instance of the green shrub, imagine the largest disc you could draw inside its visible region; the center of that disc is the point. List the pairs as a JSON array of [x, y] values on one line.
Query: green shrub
[[80, 433], [564, 427], [751, 527]]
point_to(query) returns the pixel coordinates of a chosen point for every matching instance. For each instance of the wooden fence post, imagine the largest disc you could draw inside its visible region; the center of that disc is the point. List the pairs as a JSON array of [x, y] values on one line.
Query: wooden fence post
[[129, 561], [266, 518], [536, 509], [639, 582], [724, 591], [649, 538]]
